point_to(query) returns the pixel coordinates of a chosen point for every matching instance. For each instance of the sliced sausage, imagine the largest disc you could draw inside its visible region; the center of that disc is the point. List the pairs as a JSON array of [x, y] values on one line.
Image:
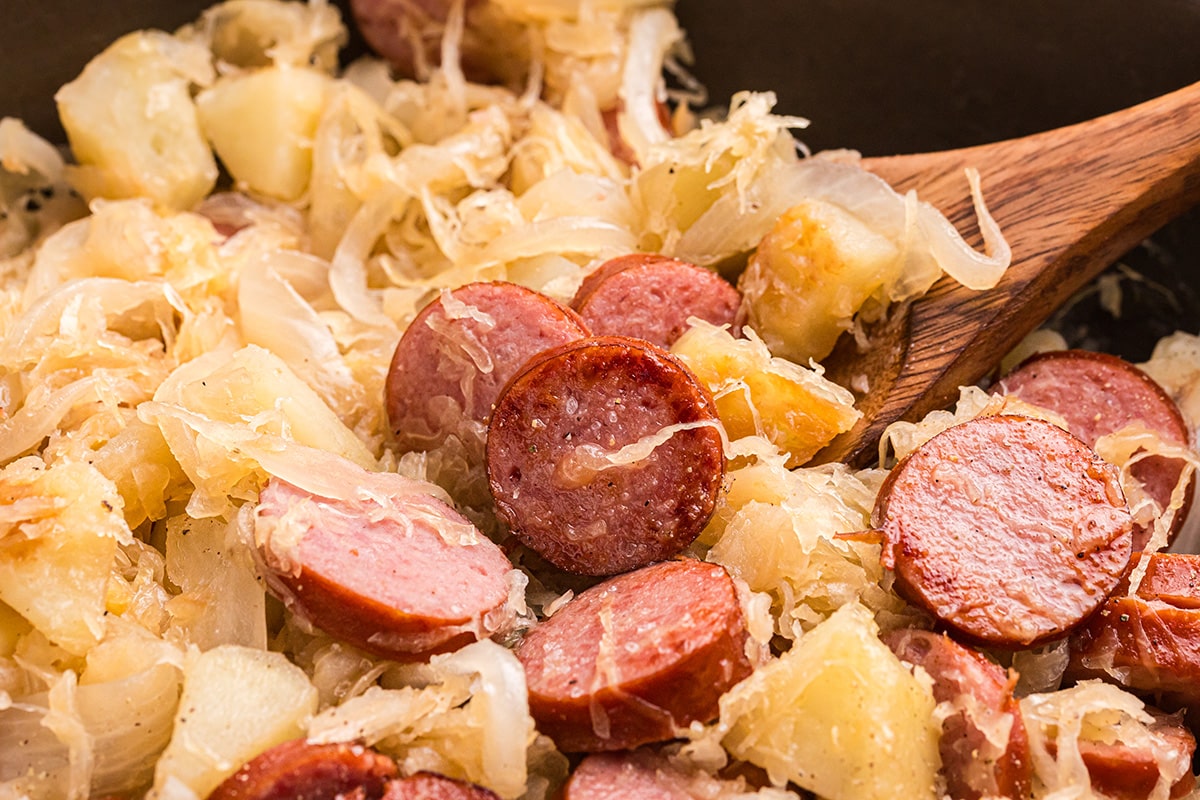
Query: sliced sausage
[[457, 354], [1008, 530], [1131, 771], [1149, 641], [402, 574], [984, 746], [298, 770], [408, 34], [644, 775], [1098, 394], [636, 658], [604, 455], [651, 297], [431, 786]]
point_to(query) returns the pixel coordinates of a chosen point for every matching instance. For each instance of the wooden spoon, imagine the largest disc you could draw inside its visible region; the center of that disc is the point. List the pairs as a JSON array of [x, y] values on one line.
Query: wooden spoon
[[1070, 202]]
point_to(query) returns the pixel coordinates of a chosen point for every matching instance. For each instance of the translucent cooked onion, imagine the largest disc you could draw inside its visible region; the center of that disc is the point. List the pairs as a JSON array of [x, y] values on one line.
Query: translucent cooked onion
[[929, 244]]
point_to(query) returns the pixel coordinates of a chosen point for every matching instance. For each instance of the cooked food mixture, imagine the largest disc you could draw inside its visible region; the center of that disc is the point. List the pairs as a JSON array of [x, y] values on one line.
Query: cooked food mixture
[[447, 424]]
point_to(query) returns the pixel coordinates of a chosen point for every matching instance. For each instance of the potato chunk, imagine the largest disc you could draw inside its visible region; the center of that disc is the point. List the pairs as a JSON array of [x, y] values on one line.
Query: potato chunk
[[838, 715], [262, 126], [132, 124], [59, 532], [795, 408], [236, 703], [810, 275]]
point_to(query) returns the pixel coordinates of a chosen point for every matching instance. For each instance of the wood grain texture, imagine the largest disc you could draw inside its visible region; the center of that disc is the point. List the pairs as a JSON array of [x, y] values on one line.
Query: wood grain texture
[[1070, 202]]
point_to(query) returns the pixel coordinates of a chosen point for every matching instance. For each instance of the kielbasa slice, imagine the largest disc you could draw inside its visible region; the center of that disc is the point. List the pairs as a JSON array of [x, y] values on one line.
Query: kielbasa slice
[[1131, 772], [636, 658], [431, 786], [1098, 394], [400, 574], [1008, 530], [644, 775], [408, 34], [460, 351], [1148, 641], [974, 764], [604, 455], [299, 769], [651, 297]]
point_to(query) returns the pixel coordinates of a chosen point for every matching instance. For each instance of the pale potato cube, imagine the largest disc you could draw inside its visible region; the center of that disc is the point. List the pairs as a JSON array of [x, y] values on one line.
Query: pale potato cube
[[794, 408], [262, 126], [839, 715], [236, 703], [59, 533], [811, 274], [132, 124]]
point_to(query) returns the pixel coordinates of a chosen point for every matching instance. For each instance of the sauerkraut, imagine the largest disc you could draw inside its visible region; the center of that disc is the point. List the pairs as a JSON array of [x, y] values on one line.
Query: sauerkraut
[[171, 338]]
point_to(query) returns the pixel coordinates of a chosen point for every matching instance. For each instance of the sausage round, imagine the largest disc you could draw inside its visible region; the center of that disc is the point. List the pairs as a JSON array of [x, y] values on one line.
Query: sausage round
[[1148, 641], [643, 775], [401, 575], [1098, 394], [1130, 772], [604, 455], [298, 769], [651, 297], [431, 786], [408, 34], [1008, 530], [458, 353], [636, 658], [982, 694]]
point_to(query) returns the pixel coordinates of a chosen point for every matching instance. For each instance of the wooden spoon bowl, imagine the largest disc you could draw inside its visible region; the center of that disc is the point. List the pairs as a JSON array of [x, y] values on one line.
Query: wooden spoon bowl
[[1070, 202]]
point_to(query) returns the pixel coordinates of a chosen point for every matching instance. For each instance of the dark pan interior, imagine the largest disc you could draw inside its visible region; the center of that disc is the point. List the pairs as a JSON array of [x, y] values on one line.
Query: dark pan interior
[[875, 75]]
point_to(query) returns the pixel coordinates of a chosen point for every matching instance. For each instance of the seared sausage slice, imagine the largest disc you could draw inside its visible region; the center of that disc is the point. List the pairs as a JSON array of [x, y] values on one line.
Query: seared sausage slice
[[1098, 394], [402, 575], [604, 455], [431, 786], [974, 765], [1130, 772], [644, 775], [1149, 641], [458, 353], [298, 770], [651, 297], [1008, 530], [634, 659]]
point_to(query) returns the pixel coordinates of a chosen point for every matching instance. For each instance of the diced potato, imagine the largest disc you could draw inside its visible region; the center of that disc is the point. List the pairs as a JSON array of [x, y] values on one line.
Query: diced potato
[[59, 532], [132, 124], [810, 275], [236, 703], [838, 715], [796, 409], [262, 126]]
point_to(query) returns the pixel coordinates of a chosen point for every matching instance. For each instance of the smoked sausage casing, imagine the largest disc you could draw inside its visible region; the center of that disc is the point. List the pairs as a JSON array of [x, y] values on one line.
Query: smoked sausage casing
[[1008, 530], [403, 576], [651, 297], [636, 658], [974, 763], [1148, 641], [604, 455], [299, 769], [1098, 394], [459, 352]]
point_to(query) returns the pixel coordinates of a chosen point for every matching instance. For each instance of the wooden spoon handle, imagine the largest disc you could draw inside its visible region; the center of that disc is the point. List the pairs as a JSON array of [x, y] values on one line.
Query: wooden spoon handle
[[1070, 201]]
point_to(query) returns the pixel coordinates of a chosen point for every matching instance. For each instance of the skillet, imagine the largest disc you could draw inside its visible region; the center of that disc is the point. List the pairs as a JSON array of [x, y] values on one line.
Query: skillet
[[877, 76]]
